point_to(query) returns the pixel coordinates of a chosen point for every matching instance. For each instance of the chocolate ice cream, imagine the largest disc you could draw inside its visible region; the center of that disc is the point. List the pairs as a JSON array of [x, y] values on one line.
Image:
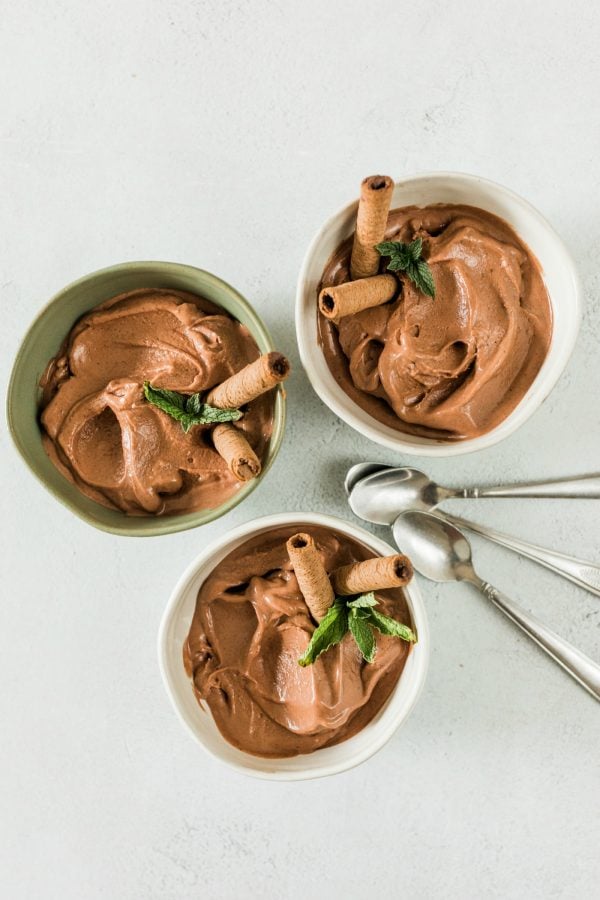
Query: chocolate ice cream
[[105, 437], [453, 366], [250, 627]]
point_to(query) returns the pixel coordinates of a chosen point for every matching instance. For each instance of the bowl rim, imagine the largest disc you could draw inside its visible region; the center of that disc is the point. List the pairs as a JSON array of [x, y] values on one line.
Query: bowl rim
[[421, 651], [170, 524], [384, 435]]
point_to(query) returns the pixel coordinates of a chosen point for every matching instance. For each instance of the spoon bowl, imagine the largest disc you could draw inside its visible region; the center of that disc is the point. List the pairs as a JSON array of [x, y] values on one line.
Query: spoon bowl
[[437, 549], [441, 552], [359, 471], [381, 496]]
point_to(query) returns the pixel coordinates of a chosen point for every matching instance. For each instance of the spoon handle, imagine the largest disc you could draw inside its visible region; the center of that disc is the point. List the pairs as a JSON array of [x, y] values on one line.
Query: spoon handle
[[585, 574], [583, 487], [577, 664]]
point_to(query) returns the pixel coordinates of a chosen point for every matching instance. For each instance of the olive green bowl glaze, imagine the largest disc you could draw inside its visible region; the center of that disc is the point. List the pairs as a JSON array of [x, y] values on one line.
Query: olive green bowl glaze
[[45, 337]]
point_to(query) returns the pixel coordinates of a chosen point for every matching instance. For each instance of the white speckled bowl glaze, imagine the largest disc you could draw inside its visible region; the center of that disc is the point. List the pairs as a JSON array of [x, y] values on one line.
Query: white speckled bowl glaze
[[199, 721], [559, 274]]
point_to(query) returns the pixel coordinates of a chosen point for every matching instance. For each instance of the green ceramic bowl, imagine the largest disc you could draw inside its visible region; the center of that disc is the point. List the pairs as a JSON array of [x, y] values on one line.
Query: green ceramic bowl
[[44, 339]]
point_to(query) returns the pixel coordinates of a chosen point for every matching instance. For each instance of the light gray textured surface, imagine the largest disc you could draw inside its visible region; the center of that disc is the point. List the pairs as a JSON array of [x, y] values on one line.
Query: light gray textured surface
[[222, 134]]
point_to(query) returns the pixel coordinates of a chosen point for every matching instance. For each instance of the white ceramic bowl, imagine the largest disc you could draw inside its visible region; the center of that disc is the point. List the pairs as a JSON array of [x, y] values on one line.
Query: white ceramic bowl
[[559, 274], [199, 722]]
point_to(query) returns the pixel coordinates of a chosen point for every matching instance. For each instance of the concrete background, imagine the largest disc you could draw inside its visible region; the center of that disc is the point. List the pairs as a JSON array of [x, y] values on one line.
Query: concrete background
[[222, 134]]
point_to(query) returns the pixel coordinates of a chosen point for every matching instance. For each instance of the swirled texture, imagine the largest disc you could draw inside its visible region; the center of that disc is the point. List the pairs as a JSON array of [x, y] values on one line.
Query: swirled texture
[[455, 366], [104, 436], [251, 625]]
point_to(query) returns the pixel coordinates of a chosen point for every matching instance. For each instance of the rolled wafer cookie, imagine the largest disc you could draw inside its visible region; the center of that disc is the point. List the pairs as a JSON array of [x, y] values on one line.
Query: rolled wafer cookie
[[250, 382], [371, 220], [346, 299], [310, 574], [231, 443], [372, 575]]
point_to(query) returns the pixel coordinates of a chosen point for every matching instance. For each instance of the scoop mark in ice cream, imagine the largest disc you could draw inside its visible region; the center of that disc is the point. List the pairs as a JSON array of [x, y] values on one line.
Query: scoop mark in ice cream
[[453, 368], [250, 626], [120, 450]]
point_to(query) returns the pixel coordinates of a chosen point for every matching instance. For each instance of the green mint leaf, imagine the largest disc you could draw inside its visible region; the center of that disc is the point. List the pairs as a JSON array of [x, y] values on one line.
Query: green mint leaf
[[388, 248], [358, 616], [171, 397], [426, 283], [398, 253], [415, 248], [169, 401], [408, 258], [188, 410], [420, 274], [412, 272], [330, 631], [210, 415], [363, 600], [193, 404], [187, 422], [389, 626], [396, 264], [362, 633]]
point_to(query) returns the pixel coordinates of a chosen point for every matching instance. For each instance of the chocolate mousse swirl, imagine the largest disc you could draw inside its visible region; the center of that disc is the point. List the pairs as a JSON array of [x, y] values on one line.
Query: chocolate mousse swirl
[[116, 447], [250, 627], [455, 366]]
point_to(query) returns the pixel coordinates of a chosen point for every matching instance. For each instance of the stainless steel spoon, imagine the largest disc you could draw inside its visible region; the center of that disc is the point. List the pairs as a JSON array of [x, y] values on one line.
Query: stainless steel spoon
[[359, 471], [382, 495], [584, 574], [441, 552]]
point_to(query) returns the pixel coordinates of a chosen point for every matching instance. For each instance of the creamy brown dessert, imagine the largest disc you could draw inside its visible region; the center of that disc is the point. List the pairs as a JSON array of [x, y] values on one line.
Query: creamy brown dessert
[[101, 431], [251, 626], [450, 366]]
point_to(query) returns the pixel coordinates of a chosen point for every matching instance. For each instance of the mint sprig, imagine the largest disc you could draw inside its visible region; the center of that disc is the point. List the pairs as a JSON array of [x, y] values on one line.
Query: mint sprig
[[408, 258], [188, 408], [357, 615], [332, 628], [362, 633]]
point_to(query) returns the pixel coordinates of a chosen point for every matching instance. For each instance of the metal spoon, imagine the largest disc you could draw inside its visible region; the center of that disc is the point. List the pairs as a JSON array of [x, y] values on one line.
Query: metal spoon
[[583, 573], [382, 495], [359, 471], [441, 552]]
